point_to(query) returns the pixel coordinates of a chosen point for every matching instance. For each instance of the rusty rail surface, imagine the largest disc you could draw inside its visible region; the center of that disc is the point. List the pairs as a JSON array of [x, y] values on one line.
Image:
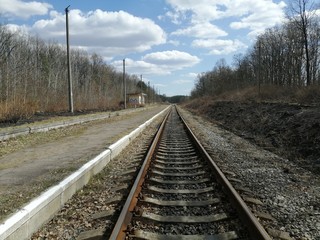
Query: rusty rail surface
[[255, 230], [126, 213]]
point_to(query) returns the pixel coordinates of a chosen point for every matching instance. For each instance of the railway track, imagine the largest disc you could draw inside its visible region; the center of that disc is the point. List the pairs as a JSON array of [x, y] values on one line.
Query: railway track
[[180, 193]]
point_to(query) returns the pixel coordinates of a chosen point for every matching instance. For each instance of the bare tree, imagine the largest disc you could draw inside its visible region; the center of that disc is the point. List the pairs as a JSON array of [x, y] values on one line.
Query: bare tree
[[32, 74], [302, 15]]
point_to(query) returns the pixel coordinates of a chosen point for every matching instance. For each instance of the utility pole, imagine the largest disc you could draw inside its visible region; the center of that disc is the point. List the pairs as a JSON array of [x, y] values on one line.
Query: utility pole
[[141, 88], [124, 83], [141, 83], [259, 69], [153, 94], [148, 92], [68, 62]]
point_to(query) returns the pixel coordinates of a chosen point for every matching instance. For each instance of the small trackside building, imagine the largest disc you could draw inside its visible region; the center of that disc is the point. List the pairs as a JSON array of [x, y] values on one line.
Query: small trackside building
[[136, 99]]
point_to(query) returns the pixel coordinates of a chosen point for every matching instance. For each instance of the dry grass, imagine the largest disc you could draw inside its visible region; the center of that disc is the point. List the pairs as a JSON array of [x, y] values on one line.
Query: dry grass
[[14, 110], [309, 95], [302, 95], [30, 191], [11, 111]]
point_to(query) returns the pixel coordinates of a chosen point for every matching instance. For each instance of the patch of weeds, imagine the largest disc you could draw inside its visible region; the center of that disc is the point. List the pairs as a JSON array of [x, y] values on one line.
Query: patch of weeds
[[11, 202], [22, 142]]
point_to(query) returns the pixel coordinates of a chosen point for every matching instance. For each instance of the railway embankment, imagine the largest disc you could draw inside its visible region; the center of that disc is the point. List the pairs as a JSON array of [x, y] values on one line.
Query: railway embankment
[[289, 130]]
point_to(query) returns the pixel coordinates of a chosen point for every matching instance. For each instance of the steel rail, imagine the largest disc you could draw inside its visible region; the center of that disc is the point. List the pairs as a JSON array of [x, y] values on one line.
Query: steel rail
[[255, 229], [119, 230]]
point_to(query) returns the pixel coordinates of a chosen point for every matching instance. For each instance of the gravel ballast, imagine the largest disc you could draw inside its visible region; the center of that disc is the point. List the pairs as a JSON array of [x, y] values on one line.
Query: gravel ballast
[[288, 192]]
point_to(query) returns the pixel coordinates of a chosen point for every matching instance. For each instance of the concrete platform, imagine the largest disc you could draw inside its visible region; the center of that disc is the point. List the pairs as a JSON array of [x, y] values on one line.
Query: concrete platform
[[27, 220]]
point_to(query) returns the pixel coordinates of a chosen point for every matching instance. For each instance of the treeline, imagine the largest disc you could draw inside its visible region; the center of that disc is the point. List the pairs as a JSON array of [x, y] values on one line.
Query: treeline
[[286, 56], [175, 99], [33, 78]]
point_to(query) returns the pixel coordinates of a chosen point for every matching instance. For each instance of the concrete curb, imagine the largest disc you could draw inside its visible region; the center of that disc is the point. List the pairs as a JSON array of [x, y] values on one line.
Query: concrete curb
[[32, 216]]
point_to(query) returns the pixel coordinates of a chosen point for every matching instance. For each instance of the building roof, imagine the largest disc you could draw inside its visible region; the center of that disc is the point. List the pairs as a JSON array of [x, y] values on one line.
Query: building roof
[[139, 93]]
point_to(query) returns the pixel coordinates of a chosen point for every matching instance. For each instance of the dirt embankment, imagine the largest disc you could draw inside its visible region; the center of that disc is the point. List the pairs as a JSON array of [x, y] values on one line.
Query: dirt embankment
[[292, 131]]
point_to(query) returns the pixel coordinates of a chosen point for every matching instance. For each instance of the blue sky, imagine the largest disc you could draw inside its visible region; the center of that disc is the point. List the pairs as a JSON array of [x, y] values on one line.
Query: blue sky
[[169, 42]]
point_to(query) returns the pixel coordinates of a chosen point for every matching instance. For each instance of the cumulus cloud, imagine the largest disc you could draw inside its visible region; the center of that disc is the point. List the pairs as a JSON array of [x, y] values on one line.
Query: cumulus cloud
[[219, 46], [172, 59], [23, 9], [201, 30], [176, 17], [174, 42], [192, 75], [200, 10], [261, 15], [107, 33], [182, 81], [159, 63], [140, 66], [255, 15]]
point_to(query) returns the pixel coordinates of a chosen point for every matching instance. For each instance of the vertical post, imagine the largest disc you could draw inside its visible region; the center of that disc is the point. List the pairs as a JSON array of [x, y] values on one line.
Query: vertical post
[[259, 70], [141, 83], [141, 88], [68, 62], [153, 94], [124, 83], [148, 92]]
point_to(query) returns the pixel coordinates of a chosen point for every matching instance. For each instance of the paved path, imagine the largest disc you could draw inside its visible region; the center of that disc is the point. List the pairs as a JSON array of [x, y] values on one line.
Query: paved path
[[32, 165]]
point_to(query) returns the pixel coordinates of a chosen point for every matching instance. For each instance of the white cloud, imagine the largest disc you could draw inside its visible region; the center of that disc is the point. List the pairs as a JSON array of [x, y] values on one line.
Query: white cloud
[[192, 75], [182, 81], [23, 9], [107, 33], [201, 30], [261, 15], [219, 46], [174, 42], [172, 59], [16, 28], [159, 63], [252, 15], [140, 66], [176, 17], [255, 15], [201, 9]]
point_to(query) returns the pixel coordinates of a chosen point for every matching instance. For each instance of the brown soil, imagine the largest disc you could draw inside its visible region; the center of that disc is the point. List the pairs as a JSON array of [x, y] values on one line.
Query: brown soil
[[290, 130]]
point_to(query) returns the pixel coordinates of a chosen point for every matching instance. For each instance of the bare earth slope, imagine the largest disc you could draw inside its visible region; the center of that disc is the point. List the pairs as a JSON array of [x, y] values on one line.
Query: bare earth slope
[[292, 131]]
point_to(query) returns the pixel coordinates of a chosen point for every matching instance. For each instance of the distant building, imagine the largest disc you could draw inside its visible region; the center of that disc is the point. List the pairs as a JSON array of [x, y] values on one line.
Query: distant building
[[136, 99]]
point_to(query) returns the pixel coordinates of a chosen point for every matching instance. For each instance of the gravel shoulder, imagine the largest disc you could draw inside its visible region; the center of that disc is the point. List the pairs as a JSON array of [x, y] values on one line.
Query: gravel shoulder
[[30, 164], [290, 193]]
